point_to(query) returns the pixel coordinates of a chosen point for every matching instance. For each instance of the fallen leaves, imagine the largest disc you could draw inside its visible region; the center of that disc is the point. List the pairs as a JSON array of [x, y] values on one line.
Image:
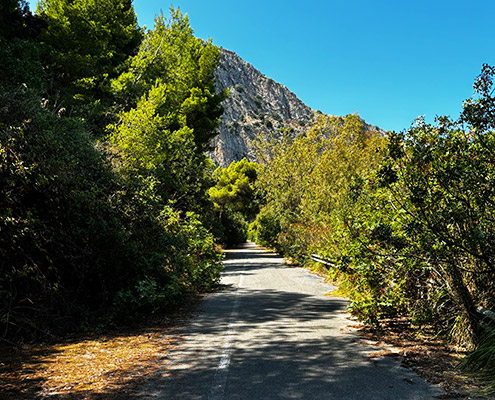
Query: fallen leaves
[[83, 368], [430, 356], [383, 353]]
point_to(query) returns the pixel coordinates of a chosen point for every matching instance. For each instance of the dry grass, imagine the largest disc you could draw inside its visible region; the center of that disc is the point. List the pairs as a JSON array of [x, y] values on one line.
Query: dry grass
[[113, 366], [383, 353], [101, 367]]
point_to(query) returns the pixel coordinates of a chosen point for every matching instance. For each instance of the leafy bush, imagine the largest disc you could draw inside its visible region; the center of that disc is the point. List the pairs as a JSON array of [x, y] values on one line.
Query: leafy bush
[[265, 229], [234, 227], [90, 231], [60, 233], [235, 199], [407, 219]]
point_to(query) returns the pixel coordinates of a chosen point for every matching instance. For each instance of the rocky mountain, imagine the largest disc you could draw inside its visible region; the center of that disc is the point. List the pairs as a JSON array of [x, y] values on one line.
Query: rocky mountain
[[256, 105]]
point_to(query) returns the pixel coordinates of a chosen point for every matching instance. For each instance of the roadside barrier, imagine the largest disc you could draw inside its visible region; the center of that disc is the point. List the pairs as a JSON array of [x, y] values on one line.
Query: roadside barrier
[[488, 315], [488, 318], [319, 259]]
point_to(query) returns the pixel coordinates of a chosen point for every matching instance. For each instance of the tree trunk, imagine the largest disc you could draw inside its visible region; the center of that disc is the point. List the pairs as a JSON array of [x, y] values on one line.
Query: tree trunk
[[464, 298]]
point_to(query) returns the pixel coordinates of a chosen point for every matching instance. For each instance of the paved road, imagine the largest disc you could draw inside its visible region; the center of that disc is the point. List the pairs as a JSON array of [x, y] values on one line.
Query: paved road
[[272, 334]]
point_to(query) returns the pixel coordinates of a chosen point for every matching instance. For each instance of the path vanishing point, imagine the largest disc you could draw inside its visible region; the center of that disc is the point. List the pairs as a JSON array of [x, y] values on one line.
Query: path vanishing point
[[271, 333]]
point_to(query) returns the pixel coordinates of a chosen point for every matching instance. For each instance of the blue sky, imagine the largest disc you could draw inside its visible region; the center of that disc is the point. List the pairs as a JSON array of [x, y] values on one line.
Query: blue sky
[[391, 61]]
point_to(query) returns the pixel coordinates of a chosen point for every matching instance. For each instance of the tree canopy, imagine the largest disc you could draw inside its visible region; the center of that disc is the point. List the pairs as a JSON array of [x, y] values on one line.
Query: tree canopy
[[406, 219], [85, 45], [103, 187], [235, 199]]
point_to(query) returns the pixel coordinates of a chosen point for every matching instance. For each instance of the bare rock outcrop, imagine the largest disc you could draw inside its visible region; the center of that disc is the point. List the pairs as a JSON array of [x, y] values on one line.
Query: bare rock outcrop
[[256, 106]]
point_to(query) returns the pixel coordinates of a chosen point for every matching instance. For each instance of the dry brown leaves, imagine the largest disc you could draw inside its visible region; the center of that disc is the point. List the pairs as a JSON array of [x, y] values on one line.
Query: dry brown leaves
[[431, 357], [104, 367]]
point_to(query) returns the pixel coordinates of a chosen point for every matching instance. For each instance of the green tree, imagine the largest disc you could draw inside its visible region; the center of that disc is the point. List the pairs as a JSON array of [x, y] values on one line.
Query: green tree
[[235, 188], [235, 199], [172, 112], [22, 71], [85, 45], [306, 182], [430, 219], [80, 240], [442, 176], [16, 21], [170, 56]]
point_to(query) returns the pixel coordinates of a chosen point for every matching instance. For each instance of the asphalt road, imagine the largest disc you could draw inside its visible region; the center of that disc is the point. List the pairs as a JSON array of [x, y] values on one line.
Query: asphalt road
[[272, 334]]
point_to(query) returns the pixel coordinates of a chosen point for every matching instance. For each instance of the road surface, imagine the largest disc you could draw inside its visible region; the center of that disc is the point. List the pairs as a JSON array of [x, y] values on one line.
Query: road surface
[[270, 333]]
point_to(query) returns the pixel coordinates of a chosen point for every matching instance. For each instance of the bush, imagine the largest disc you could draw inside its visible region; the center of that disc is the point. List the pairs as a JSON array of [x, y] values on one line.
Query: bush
[[61, 240], [265, 229], [235, 227]]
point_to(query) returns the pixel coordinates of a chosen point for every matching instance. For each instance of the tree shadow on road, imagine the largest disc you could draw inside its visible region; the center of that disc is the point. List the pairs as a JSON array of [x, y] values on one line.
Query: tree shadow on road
[[284, 358]]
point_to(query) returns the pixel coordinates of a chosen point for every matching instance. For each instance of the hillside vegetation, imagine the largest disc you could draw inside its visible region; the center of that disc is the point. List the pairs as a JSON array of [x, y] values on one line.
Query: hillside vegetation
[[405, 220], [110, 208], [104, 206]]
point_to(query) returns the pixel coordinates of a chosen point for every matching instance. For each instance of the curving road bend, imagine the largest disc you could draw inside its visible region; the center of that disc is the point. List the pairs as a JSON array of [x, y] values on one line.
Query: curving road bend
[[272, 334]]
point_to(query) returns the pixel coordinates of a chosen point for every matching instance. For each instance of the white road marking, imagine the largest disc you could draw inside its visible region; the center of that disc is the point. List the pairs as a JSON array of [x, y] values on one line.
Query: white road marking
[[222, 372]]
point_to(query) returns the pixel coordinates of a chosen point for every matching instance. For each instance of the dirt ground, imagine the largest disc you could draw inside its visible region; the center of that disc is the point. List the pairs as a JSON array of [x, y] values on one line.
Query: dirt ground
[[112, 366], [109, 366], [431, 357]]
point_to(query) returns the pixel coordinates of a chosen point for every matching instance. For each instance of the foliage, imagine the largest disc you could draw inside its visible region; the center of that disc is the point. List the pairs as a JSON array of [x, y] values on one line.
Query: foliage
[[305, 183], [482, 360], [16, 21], [440, 177], [60, 235], [233, 227], [265, 229], [172, 113], [235, 199], [86, 43], [437, 230], [88, 234], [407, 220], [182, 259], [180, 67]]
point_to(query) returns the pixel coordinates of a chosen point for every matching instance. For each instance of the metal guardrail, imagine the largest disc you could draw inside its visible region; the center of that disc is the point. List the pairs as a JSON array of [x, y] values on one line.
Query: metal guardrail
[[319, 259], [486, 313], [487, 318]]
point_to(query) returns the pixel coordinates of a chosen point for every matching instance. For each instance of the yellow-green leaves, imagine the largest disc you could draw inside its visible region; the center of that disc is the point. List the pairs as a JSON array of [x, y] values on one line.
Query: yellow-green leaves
[[170, 110], [79, 240], [234, 187], [235, 199], [143, 136], [307, 182]]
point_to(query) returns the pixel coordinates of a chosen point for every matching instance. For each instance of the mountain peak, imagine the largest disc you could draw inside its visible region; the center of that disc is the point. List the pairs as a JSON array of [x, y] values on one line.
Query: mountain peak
[[256, 105]]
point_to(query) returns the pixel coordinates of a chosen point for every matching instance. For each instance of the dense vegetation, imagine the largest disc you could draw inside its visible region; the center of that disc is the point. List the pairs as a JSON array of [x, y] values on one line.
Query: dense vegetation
[[104, 206], [109, 206], [235, 199], [406, 219]]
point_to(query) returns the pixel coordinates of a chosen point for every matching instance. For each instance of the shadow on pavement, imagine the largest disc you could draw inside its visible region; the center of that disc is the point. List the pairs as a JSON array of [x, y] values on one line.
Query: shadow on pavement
[[286, 345]]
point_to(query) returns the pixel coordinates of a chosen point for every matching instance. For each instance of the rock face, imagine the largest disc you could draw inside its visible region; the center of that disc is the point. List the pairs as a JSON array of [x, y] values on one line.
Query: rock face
[[256, 105]]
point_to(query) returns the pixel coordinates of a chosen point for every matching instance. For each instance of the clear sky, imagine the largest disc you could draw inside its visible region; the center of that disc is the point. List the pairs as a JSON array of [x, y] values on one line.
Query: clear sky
[[390, 60]]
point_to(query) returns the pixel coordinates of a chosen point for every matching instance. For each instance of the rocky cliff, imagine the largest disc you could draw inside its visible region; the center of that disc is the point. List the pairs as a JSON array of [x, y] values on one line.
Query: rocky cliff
[[256, 105]]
